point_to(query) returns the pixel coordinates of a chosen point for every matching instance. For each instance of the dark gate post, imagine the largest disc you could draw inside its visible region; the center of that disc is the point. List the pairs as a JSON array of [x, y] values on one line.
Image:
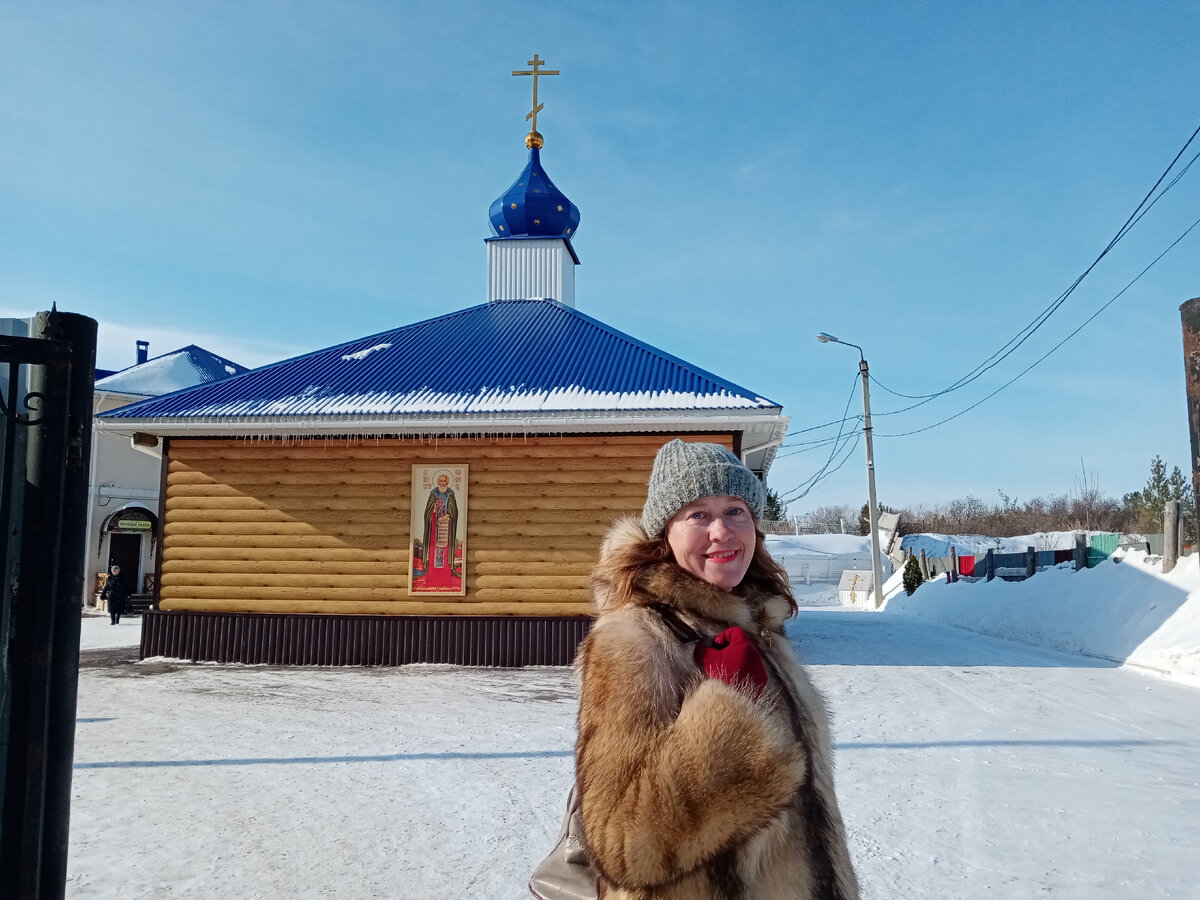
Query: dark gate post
[[45, 520], [1081, 551], [80, 333], [1190, 314]]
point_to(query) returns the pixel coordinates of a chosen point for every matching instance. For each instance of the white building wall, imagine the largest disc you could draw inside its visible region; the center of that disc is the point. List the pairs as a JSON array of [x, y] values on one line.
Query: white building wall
[[529, 269], [121, 477]]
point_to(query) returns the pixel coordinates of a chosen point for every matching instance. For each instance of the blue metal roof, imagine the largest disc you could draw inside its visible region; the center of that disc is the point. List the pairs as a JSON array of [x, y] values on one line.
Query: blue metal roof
[[507, 356]]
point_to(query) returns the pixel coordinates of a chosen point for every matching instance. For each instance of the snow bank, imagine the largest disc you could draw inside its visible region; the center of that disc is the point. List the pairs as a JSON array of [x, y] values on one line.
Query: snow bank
[[1123, 609]]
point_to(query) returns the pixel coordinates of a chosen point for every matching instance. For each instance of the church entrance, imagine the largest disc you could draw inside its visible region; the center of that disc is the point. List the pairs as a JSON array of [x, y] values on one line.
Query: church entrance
[[125, 550]]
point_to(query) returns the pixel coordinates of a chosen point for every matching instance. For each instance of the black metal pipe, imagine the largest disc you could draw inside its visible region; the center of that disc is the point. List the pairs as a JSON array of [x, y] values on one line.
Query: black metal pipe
[[79, 333]]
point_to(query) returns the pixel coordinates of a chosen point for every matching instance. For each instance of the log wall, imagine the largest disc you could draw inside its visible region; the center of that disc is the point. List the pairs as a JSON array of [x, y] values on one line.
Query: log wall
[[322, 526]]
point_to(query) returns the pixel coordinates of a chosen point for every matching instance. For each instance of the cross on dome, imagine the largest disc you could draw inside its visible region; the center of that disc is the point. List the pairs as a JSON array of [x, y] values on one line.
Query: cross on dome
[[533, 207], [533, 140]]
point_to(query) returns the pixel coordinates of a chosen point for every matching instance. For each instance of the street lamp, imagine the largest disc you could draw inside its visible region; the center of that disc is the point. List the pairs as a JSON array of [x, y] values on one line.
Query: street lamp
[[872, 506]]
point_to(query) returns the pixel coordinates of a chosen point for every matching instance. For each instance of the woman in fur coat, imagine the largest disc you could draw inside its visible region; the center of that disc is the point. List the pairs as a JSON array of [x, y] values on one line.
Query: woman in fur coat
[[704, 764]]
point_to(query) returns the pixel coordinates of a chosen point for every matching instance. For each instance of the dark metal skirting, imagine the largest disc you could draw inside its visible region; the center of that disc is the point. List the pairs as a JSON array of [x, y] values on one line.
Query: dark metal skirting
[[312, 640]]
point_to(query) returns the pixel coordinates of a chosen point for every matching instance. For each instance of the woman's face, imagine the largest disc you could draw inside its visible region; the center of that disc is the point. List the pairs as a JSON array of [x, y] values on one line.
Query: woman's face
[[713, 539]]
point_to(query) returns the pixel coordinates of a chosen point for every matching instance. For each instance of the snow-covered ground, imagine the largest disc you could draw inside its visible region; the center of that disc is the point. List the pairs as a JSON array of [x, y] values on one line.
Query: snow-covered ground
[[969, 766]]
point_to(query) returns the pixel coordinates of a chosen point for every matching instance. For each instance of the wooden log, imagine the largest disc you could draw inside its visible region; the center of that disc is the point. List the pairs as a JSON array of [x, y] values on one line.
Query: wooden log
[[547, 545], [380, 468], [571, 476], [298, 541], [205, 583], [178, 476], [406, 608], [335, 476], [198, 568], [259, 592], [583, 528], [519, 557], [345, 529], [496, 595], [537, 515], [337, 584], [525, 582], [375, 504], [333, 556], [614, 507], [482, 569], [339, 495], [337, 595], [323, 519], [631, 495], [275, 492]]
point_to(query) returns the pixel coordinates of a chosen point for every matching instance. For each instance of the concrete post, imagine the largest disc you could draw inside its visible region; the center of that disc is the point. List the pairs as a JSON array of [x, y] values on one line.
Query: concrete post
[[924, 565], [1080, 555], [1171, 531]]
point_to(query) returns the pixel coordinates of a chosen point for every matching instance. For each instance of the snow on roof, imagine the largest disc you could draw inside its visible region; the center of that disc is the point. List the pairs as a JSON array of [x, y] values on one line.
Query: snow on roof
[[174, 371]]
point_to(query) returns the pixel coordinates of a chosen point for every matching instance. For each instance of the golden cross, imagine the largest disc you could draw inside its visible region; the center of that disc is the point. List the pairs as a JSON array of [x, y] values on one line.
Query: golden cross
[[537, 107]]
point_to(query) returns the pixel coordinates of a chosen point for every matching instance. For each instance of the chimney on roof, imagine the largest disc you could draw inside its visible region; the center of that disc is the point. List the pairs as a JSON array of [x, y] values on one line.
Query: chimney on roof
[[143, 351]]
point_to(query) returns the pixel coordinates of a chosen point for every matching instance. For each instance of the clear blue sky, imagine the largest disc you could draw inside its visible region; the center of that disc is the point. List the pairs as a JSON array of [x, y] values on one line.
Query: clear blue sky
[[922, 179]]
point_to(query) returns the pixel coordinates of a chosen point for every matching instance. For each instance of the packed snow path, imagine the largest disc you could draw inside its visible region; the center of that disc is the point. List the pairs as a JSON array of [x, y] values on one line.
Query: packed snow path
[[968, 768]]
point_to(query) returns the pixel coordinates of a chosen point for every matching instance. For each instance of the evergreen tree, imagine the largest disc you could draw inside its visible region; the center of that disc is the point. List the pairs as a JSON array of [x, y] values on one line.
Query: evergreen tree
[[912, 575], [1148, 504], [776, 509], [864, 517]]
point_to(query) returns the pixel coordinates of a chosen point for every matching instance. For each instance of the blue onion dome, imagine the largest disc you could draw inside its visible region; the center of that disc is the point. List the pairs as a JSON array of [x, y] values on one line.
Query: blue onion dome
[[533, 206]]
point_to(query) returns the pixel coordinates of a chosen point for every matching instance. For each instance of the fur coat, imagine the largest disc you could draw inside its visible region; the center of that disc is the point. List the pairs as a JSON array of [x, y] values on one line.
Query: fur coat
[[689, 788]]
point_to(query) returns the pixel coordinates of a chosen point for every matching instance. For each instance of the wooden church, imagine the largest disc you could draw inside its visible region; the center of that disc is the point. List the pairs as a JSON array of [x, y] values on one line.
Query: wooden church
[[432, 493]]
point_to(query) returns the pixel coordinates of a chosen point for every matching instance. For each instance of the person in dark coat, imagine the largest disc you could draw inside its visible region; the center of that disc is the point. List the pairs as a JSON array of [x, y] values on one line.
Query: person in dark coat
[[114, 592]]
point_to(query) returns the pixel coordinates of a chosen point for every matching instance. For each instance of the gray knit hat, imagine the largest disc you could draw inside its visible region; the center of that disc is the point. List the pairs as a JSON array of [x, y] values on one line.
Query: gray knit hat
[[685, 472]]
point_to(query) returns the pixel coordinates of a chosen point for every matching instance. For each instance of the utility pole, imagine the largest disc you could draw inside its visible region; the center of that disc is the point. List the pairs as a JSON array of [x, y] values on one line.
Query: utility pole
[[873, 509], [872, 505]]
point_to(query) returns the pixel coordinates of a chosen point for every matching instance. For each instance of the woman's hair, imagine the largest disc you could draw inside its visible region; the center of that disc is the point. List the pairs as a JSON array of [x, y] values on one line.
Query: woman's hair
[[764, 574]]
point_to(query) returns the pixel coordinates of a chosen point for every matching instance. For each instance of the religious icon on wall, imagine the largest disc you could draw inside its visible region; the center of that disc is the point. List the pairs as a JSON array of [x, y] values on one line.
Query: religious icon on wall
[[438, 526]]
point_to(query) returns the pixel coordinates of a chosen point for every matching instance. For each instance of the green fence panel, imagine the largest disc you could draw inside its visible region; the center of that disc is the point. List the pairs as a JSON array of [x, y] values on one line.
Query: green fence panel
[[1101, 547]]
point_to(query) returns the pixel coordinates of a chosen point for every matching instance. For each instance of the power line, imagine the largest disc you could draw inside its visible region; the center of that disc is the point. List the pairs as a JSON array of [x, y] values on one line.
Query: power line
[[1025, 333], [1043, 357], [1003, 352], [803, 488]]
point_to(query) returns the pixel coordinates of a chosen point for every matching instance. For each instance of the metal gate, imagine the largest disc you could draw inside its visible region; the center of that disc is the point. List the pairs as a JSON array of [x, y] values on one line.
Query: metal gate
[[45, 440]]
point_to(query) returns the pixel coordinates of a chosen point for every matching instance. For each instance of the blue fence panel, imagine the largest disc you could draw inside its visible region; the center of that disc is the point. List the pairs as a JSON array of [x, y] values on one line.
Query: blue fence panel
[[1009, 560]]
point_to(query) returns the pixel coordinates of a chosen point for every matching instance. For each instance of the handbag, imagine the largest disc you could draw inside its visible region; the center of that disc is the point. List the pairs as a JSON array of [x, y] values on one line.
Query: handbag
[[567, 873]]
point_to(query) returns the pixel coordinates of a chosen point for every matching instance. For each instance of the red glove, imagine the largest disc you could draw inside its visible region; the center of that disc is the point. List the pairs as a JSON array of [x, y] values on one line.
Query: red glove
[[734, 659]]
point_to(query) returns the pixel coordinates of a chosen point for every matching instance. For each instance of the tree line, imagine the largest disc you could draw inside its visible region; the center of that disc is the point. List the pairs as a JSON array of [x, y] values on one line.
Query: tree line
[[1085, 507]]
